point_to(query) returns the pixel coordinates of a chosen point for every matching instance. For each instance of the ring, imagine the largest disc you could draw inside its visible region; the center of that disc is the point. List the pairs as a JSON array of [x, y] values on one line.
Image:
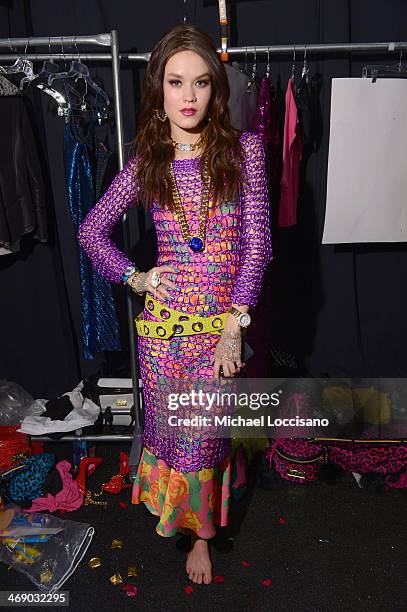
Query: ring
[[155, 279]]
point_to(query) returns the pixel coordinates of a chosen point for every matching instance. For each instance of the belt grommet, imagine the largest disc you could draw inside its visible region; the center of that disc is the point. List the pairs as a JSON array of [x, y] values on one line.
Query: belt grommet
[[146, 330], [161, 331], [183, 318], [150, 305], [216, 323], [178, 329], [164, 314], [197, 326]]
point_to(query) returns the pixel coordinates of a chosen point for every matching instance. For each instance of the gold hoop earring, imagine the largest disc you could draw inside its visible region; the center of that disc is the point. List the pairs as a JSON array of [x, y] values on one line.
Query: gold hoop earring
[[160, 114]]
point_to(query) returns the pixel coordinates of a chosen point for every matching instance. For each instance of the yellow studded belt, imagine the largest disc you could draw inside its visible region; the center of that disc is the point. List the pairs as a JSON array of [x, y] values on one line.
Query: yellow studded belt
[[177, 323]]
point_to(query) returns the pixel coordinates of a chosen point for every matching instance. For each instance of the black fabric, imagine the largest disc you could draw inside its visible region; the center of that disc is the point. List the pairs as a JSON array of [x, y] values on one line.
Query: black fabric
[[338, 310], [53, 483], [22, 197], [58, 409], [303, 101]]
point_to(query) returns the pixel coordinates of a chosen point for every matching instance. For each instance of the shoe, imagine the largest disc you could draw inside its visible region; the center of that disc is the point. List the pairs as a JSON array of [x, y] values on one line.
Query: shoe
[[87, 466]]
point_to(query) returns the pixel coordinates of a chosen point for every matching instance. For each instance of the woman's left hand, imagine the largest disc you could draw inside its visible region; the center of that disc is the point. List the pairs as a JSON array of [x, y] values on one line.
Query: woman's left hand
[[229, 366]]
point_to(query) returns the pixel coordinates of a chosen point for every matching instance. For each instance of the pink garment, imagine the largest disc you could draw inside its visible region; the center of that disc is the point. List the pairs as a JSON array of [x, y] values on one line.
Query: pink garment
[[292, 153], [68, 499]]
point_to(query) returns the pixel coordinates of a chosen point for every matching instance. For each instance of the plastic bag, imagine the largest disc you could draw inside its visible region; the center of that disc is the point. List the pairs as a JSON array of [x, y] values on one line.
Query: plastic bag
[[51, 560], [16, 403]]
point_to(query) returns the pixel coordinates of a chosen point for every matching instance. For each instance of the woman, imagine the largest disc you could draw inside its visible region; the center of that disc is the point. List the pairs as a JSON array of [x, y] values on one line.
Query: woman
[[205, 185]]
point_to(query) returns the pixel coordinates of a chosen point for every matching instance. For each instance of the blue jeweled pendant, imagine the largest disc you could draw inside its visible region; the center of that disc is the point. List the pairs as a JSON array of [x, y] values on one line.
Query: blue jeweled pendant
[[196, 244]]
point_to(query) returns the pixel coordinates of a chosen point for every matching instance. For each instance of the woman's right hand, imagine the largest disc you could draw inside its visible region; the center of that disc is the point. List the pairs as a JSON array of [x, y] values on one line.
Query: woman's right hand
[[159, 291]]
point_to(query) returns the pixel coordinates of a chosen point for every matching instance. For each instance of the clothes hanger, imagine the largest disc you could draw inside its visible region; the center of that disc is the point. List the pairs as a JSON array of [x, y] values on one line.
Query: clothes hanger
[[39, 79], [97, 108], [252, 84], [27, 79], [79, 70], [376, 71], [21, 65], [63, 106], [293, 66], [49, 67], [237, 65], [305, 69], [268, 63]]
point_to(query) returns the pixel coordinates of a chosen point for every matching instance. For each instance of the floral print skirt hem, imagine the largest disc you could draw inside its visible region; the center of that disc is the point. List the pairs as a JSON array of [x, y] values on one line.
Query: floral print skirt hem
[[192, 500]]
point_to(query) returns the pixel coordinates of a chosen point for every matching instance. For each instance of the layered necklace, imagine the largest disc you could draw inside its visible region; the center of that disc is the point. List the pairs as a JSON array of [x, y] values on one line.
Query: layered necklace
[[195, 243]]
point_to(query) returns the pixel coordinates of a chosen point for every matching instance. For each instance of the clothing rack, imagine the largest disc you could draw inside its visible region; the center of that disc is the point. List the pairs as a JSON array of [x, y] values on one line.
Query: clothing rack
[[382, 47], [99, 40], [111, 39]]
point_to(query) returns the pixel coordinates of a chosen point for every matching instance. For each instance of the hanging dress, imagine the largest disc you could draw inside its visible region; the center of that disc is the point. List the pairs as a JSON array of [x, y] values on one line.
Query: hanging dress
[[187, 484], [100, 327], [292, 154]]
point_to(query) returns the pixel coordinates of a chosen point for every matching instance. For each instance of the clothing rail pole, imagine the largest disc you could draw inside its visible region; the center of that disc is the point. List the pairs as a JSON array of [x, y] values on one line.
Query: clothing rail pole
[[37, 57], [323, 48], [42, 41], [134, 57], [383, 47], [135, 451], [117, 98]]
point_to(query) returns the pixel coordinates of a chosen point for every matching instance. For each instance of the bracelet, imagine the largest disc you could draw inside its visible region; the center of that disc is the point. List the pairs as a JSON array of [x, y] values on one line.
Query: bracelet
[[229, 346], [127, 273], [138, 282]]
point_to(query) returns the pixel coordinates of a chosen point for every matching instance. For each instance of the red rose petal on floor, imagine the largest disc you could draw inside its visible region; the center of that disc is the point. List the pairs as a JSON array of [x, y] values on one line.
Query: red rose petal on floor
[[267, 582], [123, 505], [245, 563], [130, 589], [282, 521], [188, 590], [218, 579]]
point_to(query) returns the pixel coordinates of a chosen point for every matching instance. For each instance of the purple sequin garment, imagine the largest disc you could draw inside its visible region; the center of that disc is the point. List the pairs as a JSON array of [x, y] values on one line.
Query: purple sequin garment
[[262, 121], [229, 270]]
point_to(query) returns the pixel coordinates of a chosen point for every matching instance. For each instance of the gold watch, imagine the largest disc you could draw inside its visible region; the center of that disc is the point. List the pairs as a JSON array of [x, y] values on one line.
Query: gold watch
[[243, 318]]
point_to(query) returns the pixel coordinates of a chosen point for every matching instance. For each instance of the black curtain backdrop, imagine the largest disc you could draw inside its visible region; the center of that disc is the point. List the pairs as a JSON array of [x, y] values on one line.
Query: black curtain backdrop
[[340, 311]]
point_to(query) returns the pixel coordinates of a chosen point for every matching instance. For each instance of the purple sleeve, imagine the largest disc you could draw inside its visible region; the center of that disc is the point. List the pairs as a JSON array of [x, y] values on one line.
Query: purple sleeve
[[94, 232], [255, 246]]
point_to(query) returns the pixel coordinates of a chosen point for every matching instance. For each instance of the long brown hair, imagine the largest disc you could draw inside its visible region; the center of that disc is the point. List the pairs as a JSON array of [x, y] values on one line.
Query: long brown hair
[[152, 145]]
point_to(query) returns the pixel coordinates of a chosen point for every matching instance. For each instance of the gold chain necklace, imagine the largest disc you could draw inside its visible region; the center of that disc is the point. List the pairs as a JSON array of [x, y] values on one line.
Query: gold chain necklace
[[187, 147], [196, 243]]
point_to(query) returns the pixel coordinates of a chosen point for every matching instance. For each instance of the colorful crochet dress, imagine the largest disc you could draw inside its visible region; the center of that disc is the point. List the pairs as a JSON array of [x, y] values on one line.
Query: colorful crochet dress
[[186, 482]]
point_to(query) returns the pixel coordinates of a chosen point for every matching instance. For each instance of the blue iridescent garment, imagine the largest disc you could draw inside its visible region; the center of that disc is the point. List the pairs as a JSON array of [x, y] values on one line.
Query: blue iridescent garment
[[100, 327]]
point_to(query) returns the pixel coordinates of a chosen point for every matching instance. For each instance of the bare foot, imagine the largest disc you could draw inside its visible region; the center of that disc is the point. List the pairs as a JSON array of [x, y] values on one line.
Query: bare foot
[[199, 566]]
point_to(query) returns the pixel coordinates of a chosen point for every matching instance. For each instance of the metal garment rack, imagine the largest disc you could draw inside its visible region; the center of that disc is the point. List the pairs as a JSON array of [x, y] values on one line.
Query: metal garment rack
[[100, 40]]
